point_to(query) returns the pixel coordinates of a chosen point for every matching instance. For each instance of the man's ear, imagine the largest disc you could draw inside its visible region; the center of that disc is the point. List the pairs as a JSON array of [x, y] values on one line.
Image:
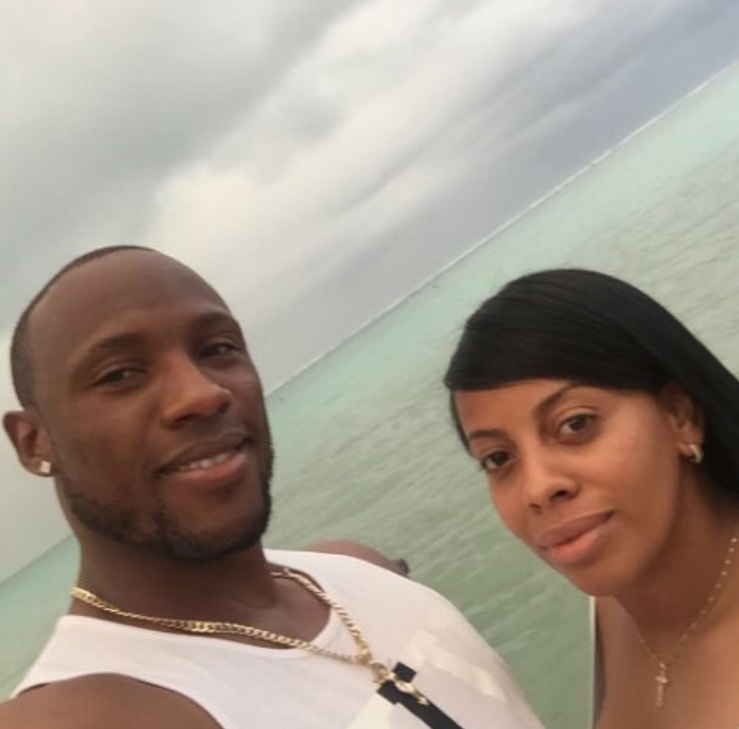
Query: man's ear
[[30, 440], [685, 416]]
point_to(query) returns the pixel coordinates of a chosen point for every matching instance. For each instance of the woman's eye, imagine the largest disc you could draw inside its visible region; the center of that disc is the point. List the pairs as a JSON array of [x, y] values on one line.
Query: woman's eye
[[577, 423], [494, 461]]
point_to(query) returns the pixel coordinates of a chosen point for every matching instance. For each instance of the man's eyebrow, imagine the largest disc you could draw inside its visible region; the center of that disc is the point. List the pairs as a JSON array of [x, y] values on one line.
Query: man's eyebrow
[[123, 340], [114, 342], [539, 411], [105, 345], [216, 317], [131, 339], [211, 322], [118, 342]]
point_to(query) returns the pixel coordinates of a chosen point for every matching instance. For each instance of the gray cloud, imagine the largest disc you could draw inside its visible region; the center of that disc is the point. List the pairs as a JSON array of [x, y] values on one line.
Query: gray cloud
[[517, 139], [99, 120]]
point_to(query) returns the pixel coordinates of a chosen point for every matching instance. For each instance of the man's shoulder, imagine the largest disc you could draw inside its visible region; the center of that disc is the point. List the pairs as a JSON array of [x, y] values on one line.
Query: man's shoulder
[[91, 702]]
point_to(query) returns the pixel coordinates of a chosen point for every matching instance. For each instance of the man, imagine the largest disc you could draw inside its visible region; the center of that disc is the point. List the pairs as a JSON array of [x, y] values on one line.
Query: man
[[140, 400]]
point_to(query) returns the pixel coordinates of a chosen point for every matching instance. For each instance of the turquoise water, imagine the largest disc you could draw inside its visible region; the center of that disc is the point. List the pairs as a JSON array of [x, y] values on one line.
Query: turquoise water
[[365, 448]]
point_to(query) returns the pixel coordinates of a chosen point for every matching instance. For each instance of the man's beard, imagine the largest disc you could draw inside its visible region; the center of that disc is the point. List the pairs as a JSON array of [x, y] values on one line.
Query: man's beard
[[167, 537]]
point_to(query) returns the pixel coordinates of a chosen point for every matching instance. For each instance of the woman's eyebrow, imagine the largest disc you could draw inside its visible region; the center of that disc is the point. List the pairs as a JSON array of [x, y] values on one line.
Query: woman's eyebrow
[[550, 401], [540, 411]]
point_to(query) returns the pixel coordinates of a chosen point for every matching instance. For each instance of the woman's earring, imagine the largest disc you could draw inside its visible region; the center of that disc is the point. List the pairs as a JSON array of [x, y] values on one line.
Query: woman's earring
[[697, 452], [44, 468]]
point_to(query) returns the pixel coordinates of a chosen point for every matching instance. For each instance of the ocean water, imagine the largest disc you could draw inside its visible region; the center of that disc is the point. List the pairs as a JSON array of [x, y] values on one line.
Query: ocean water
[[364, 442]]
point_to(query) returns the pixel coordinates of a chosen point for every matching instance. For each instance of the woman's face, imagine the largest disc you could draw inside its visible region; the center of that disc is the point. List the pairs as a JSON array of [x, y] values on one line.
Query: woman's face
[[593, 480]]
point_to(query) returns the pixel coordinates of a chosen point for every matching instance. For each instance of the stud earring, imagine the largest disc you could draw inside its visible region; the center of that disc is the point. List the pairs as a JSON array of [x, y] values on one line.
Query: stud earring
[[697, 453], [44, 468]]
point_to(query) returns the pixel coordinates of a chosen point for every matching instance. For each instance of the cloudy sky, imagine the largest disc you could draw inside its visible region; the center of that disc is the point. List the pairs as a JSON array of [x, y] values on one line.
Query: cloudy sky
[[315, 160]]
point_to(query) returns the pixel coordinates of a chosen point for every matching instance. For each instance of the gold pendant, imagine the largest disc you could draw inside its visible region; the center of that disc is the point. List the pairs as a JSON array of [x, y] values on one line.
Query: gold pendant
[[383, 674], [662, 681], [407, 688]]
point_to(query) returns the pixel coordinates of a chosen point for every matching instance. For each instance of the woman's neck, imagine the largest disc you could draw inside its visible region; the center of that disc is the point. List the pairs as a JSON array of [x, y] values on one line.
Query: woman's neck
[[692, 578]]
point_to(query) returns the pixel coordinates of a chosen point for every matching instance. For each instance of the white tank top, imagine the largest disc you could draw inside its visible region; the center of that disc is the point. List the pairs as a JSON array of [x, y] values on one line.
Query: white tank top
[[244, 686]]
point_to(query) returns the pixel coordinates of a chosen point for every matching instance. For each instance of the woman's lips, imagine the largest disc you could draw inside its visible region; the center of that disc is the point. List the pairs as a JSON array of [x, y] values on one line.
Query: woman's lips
[[573, 541]]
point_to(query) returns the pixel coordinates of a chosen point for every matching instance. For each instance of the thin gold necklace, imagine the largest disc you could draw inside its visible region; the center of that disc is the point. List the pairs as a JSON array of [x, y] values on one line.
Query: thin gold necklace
[[381, 673], [662, 678]]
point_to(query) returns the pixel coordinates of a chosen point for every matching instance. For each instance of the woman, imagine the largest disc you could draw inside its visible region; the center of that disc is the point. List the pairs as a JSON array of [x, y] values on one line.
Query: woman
[[609, 436]]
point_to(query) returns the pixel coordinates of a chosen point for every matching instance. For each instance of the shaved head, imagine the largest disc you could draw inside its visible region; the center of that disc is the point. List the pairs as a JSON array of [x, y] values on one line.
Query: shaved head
[[21, 354]]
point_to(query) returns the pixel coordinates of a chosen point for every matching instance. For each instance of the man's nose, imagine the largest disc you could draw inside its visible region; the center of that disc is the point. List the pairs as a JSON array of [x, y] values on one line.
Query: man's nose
[[189, 392]]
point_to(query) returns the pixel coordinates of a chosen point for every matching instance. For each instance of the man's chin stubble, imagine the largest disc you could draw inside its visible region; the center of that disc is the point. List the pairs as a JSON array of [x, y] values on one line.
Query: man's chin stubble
[[168, 538]]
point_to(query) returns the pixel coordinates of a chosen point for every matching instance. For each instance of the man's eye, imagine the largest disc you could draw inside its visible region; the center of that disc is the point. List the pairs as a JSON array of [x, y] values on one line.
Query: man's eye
[[218, 349], [117, 375], [494, 461]]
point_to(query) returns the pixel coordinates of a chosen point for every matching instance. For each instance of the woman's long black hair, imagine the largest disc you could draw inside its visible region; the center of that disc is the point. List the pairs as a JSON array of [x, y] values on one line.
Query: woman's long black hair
[[589, 327]]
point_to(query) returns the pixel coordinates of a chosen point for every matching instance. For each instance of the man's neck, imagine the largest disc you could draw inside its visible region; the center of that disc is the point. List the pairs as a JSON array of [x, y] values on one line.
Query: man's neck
[[239, 588], [228, 588]]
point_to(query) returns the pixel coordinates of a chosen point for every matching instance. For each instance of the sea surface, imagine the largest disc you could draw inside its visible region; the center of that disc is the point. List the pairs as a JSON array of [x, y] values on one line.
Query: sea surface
[[364, 441]]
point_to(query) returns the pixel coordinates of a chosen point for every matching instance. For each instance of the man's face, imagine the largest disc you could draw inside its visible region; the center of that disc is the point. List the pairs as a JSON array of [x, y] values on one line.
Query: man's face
[[152, 408]]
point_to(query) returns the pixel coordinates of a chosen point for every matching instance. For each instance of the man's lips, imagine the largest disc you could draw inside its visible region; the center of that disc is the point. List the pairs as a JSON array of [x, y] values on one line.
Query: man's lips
[[206, 462], [206, 453], [570, 531]]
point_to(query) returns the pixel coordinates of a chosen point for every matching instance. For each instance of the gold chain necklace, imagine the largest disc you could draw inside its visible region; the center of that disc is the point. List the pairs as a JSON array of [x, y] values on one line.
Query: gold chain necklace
[[381, 673], [662, 678]]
